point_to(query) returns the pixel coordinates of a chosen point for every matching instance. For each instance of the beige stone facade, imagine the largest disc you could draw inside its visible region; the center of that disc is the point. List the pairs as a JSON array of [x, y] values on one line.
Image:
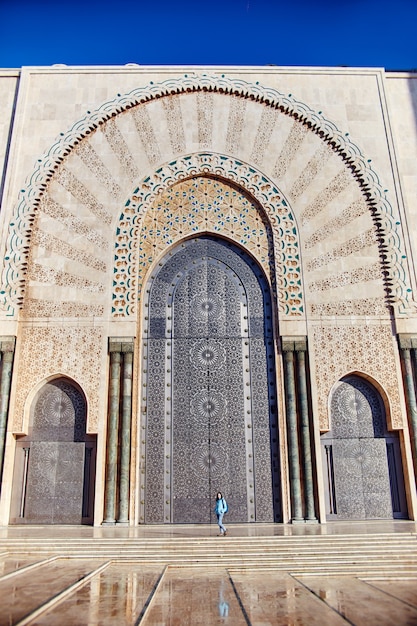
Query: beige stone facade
[[311, 172]]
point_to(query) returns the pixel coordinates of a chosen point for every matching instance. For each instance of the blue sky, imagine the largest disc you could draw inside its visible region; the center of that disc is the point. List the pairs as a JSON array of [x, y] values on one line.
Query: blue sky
[[221, 32]]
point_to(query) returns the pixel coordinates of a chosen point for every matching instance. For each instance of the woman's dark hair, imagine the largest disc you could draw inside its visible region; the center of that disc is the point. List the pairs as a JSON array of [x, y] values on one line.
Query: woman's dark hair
[[219, 495]]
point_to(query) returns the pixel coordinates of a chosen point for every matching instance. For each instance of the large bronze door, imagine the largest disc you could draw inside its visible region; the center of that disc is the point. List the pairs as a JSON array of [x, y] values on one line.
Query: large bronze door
[[209, 388]]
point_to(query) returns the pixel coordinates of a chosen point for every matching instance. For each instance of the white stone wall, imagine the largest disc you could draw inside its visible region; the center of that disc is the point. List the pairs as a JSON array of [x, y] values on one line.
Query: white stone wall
[[401, 92], [328, 154]]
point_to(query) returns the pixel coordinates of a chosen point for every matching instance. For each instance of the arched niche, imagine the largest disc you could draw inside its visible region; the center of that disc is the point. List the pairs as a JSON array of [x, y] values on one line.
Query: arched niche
[[361, 458], [54, 470]]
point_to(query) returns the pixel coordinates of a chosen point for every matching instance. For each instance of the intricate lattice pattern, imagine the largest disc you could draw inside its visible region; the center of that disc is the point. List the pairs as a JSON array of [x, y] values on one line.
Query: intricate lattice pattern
[[209, 387], [203, 205]]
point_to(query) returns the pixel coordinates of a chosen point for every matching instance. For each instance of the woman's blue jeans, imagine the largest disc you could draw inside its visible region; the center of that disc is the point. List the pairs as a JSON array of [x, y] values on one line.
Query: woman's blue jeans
[[220, 522]]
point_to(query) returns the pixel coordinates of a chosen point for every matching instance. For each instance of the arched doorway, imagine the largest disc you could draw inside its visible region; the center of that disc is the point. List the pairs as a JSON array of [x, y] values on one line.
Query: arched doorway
[[54, 470], [210, 409], [362, 459]]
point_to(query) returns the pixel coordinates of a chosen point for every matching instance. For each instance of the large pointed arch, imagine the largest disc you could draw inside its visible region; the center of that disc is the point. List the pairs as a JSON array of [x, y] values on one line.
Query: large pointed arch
[[386, 229]]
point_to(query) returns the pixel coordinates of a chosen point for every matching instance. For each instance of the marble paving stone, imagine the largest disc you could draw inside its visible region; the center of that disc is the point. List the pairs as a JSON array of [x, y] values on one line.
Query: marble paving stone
[[277, 599], [11, 564], [197, 596], [22, 594], [360, 603], [117, 595], [404, 590]]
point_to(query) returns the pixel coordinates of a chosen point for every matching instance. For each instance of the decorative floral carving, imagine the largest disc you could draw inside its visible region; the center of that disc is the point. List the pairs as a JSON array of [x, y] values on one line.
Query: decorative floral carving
[[201, 204], [340, 350], [73, 352]]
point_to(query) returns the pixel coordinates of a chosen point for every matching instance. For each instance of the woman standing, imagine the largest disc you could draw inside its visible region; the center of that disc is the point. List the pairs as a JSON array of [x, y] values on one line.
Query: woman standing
[[220, 509]]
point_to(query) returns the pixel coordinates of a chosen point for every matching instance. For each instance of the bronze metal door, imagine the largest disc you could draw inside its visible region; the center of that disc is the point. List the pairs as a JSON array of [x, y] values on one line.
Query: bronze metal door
[[362, 460], [210, 388]]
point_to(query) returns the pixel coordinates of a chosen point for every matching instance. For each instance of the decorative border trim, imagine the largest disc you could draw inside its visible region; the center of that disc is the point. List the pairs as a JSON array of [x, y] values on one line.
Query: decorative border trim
[[392, 260]]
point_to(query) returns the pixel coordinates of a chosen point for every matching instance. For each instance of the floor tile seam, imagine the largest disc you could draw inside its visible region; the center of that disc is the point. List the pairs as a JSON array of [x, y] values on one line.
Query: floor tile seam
[[388, 593], [28, 568], [151, 597], [60, 596], [323, 601], [239, 599]]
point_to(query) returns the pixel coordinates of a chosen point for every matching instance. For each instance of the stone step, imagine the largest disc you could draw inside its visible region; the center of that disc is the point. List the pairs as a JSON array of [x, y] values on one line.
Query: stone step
[[207, 554], [222, 545], [358, 555], [287, 550], [283, 540], [296, 568]]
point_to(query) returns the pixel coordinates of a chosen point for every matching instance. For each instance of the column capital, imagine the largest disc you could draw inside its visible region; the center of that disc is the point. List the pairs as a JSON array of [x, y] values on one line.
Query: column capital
[[121, 344], [294, 344], [7, 344], [407, 341]]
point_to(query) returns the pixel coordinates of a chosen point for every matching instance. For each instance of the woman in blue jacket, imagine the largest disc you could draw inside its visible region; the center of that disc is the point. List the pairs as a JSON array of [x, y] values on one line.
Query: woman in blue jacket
[[220, 509]]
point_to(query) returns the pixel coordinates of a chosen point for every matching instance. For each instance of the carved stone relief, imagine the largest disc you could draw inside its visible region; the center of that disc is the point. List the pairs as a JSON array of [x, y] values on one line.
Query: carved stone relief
[[171, 96], [368, 349], [75, 352]]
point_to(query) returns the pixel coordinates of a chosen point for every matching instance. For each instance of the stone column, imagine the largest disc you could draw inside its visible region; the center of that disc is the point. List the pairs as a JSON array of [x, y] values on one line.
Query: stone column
[[301, 349], [124, 483], [112, 434], [408, 346], [7, 345], [292, 430]]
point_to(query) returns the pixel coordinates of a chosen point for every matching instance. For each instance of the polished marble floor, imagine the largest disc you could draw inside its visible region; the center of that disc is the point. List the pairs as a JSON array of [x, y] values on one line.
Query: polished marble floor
[[205, 530], [56, 590]]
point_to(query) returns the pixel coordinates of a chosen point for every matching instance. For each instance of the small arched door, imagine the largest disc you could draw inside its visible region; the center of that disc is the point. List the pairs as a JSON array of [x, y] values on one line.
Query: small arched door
[[55, 462], [361, 458], [210, 417]]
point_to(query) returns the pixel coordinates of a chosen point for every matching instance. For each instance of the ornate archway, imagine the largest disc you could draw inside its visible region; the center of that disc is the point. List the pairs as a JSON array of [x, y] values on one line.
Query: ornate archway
[[54, 471], [362, 459]]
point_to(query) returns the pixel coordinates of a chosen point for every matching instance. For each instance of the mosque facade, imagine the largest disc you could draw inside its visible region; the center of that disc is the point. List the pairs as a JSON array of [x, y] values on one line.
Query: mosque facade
[[208, 283]]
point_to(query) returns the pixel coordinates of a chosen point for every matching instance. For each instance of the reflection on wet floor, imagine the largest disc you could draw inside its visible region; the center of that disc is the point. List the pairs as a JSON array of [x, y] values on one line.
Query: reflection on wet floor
[[8, 565], [363, 603], [116, 596], [190, 579], [22, 594], [104, 594], [195, 596], [277, 598]]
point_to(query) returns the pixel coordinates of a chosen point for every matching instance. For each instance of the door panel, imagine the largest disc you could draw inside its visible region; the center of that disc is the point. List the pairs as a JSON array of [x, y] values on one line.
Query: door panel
[[361, 459], [55, 462], [210, 388]]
